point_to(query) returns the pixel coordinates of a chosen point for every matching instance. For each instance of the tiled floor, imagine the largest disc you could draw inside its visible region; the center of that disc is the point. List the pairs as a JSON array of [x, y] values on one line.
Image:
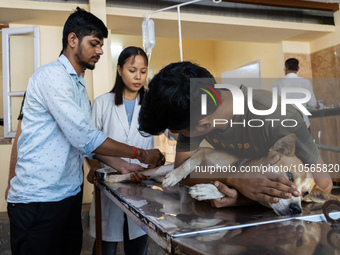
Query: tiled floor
[[4, 235], [154, 249]]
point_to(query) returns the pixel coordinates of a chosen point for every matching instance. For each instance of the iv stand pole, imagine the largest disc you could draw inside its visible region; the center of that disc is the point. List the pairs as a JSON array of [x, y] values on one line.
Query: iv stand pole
[[178, 6]]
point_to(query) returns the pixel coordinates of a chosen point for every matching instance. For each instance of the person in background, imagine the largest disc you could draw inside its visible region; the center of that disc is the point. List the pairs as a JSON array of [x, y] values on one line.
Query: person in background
[[174, 101], [293, 80], [44, 199]]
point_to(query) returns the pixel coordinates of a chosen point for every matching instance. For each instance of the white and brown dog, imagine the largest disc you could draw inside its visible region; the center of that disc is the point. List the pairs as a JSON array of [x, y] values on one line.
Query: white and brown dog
[[284, 147]]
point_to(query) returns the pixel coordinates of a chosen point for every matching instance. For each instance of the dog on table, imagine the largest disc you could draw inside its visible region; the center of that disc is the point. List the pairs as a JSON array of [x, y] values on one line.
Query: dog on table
[[284, 147]]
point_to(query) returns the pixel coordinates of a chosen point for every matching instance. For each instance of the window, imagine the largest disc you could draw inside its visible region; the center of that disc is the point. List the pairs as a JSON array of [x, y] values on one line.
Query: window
[[20, 58]]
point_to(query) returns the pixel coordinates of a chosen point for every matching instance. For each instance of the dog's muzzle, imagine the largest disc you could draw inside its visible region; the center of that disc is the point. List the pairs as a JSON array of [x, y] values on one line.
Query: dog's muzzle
[[287, 206], [294, 208]]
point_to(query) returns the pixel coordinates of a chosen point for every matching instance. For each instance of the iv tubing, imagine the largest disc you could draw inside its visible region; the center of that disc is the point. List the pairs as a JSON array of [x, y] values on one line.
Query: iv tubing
[[149, 59]]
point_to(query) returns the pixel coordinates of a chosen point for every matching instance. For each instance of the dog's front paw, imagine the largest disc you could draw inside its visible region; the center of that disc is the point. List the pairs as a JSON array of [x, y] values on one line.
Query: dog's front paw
[[171, 179], [204, 192]]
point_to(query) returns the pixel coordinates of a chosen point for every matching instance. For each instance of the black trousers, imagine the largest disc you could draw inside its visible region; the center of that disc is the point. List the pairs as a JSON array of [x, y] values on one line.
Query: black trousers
[[42, 228]]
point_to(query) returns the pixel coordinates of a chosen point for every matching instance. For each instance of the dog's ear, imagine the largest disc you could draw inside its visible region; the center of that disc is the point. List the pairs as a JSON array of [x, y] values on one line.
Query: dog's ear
[[285, 145], [318, 195]]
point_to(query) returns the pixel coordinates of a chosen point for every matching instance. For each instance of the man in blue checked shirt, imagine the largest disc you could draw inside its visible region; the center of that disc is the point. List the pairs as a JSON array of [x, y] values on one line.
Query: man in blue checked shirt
[[44, 200]]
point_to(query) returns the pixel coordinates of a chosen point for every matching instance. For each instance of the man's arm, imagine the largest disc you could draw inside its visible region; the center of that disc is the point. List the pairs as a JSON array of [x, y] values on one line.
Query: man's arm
[[72, 120], [94, 165], [14, 151], [118, 164], [306, 150], [14, 157], [181, 157], [323, 179], [113, 148], [124, 167], [185, 147]]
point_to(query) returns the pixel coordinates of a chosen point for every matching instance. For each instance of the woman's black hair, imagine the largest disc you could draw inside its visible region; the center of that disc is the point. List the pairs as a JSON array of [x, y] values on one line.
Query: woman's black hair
[[118, 88], [173, 99], [83, 23]]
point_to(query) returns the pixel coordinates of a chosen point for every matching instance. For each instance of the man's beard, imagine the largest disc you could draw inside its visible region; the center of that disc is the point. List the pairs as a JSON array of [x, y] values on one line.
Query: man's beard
[[79, 56], [88, 66]]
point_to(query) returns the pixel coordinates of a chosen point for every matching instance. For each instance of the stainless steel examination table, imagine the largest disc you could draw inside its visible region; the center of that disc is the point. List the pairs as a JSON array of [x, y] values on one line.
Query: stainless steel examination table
[[181, 225]]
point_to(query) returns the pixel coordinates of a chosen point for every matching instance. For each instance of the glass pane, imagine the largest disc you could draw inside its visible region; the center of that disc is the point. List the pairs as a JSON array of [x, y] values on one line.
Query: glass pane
[[21, 60], [15, 105]]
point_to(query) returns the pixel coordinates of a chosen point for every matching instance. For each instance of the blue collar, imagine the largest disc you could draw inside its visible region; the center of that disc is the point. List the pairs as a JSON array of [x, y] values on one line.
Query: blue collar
[[70, 69]]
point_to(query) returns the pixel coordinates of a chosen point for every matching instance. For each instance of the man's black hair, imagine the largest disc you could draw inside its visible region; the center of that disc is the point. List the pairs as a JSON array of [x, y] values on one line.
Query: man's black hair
[[83, 23], [173, 100], [292, 64]]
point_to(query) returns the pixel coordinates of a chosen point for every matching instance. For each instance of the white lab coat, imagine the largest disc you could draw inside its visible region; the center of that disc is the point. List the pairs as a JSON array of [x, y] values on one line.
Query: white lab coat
[[293, 80], [112, 120]]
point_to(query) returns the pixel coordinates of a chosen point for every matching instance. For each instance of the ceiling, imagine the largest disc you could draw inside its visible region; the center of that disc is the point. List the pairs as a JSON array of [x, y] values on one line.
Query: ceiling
[[325, 5], [125, 20], [218, 32], [224, 22]]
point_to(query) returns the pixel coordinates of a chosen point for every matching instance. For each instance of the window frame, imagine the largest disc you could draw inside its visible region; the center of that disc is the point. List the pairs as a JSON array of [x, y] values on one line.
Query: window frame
[[7, 94]]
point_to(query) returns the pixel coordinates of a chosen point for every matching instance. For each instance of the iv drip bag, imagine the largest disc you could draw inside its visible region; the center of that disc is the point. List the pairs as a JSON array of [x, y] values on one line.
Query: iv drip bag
[[148, 28]]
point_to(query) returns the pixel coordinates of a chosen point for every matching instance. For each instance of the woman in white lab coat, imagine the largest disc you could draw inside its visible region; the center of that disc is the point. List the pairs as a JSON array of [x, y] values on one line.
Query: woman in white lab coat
[[116, 114]]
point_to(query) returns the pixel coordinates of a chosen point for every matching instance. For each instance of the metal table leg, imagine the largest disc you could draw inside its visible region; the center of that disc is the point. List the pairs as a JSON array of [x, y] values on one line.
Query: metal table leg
[[98, 212]]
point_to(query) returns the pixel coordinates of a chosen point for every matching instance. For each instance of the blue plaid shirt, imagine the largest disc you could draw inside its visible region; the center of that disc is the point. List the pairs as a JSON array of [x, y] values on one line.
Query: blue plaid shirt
[[56, 136]]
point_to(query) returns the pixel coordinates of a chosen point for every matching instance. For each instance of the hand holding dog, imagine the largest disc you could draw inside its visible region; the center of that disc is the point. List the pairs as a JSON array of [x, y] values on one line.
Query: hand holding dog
[[91, 177], [152, 157], [232, 197], [118, 164], [130, 168], [265, 189], [133, 170]]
